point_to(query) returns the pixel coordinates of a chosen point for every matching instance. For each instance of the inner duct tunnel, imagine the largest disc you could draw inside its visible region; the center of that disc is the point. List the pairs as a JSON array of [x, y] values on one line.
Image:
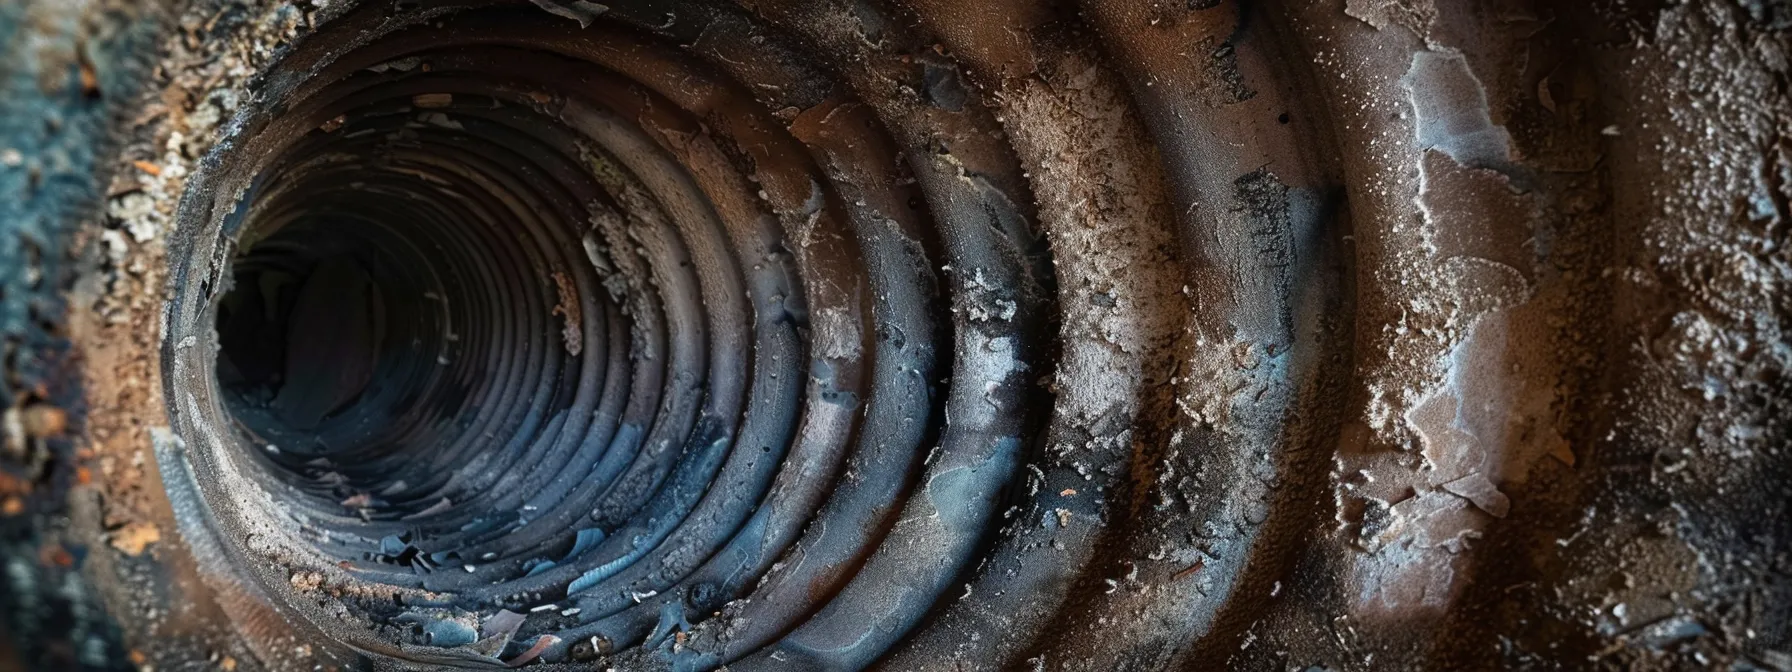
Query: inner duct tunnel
[[538, 340], [680, 336]]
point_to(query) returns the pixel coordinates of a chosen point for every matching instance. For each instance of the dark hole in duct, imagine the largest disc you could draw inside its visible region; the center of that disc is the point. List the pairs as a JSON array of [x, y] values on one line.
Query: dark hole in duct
[[334, 344], [300, 339]]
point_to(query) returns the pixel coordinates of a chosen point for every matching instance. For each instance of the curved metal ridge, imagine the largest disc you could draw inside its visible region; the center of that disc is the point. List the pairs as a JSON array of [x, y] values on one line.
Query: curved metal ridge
[[498, 171], [920, 335]]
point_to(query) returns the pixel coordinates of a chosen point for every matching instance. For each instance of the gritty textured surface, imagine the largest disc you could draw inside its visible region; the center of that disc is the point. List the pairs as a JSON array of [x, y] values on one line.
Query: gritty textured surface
[[1350, 334]]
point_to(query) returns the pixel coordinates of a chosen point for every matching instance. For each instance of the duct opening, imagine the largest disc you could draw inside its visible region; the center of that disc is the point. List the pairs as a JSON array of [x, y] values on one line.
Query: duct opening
[[506, 337]]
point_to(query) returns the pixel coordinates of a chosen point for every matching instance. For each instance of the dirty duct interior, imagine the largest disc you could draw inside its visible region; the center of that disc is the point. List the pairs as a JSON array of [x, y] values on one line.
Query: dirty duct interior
[[539, 339], [906, 335]]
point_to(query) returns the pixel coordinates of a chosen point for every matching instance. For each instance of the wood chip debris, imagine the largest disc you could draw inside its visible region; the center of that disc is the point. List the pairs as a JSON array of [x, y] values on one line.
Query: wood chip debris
[[135, 537]]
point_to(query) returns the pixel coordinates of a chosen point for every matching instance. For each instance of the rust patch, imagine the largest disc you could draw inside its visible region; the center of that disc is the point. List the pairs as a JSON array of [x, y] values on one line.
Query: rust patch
[[568, 308]]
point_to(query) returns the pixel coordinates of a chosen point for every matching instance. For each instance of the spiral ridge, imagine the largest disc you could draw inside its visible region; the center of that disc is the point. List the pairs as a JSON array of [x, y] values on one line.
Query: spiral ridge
[[791, 334]]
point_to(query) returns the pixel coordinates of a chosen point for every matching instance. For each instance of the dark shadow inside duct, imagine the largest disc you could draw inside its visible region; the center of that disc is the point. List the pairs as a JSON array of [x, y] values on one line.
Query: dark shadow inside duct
[[412, 342], [370, 325], [329, 348], [300, 340]]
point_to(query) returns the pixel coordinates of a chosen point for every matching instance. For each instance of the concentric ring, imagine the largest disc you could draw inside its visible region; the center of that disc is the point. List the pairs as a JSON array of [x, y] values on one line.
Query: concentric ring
[[693, 335]]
